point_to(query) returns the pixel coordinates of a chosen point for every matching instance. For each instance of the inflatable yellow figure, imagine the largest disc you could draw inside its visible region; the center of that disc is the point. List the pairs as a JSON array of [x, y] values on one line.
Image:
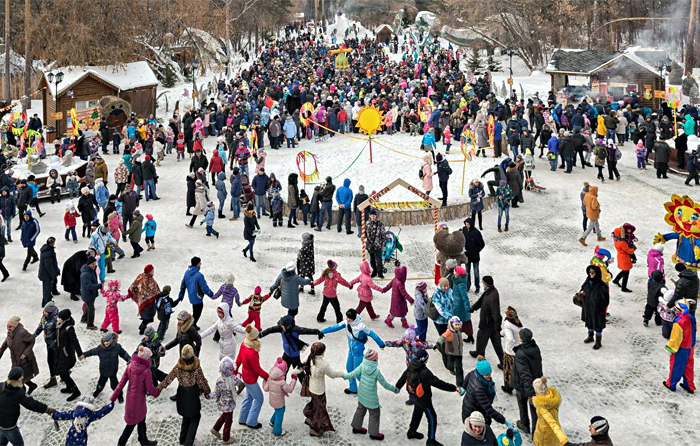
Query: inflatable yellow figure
[[683, 214]]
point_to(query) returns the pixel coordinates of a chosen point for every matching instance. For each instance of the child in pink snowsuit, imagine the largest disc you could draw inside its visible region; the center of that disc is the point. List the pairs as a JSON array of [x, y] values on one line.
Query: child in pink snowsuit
[[279, 390], [115, 226], [364, 291], [113, 297], [447, 138], [399, 296]]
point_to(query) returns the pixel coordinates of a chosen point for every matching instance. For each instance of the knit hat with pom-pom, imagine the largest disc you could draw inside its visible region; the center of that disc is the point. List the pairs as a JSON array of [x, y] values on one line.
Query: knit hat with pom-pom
[[145, 352], [280, 364]]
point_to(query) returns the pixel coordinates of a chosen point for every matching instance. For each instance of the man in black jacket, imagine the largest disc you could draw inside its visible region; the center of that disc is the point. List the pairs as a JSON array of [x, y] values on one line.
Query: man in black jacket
[[418, 374], [444, 171], [527, 367], [662, 154], [130, 201], [687, 287], [148, 170], [326, 199], [473, 244], [12, 395], [48, 271], [489, 321]]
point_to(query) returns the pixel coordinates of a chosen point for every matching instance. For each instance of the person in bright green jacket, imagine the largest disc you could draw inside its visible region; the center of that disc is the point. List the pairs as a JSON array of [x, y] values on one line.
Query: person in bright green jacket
[[461, 306], [367, 398], [689, 125]]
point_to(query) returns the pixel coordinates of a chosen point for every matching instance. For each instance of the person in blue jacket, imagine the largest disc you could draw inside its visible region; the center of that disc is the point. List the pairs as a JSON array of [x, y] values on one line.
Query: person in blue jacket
[[236, 191], [343, 195], [428, 143], [196, 286], [35, 193], [358, 334], [30, 231], [291, 344], [82, 416]]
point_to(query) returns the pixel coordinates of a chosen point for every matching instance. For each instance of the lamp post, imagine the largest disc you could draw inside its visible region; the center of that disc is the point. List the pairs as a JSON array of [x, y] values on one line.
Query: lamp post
[[55, 79], [511, 51], [194, 65]]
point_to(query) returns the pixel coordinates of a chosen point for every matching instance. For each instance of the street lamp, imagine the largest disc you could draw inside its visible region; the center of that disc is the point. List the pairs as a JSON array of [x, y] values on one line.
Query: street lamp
[[511, 51], [55, 79], [194, 65]]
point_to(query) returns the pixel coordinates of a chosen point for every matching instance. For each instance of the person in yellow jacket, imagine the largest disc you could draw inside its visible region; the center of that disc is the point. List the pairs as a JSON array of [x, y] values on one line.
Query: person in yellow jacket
[[547, 401], [600, 127]]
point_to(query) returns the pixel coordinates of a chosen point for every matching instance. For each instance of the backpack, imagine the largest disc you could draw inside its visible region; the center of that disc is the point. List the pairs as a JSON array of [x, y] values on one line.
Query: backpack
[[417, 390], [430, 310], [165, 305], [420, 173], [618, 155]]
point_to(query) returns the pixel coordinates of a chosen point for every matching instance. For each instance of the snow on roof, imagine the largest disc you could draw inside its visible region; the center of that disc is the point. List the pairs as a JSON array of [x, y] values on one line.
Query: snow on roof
[[426, 16], [381, 27], [588, 61], [127, 77]]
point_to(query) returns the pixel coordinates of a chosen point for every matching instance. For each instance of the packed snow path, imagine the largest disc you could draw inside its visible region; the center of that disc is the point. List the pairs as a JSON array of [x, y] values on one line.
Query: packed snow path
[[537, 266]]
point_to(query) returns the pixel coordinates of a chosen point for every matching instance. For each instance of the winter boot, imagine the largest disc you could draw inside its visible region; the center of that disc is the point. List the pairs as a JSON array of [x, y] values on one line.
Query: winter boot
[[469, 340], [582, 241], [32, 387], [600, 239], [289, 224], [301, 289], [50, 383], [274, 223], [221, 215], [74, 395], [414, 435], [589, 339], [312, 291], [153, 246], [433, 443], [388, 322], [597, 344], [404, 323]]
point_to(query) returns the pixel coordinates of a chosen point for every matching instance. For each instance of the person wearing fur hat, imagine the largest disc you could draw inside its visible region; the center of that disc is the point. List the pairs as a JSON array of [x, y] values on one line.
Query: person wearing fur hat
[[367, 399], [489, 320], [330, 277], [358, 334], [138, 375], [681, 346], [191, 382], [48, 270], [279, 390], [187, 333], [596, 300], [598, 428], [227, 329], [477, 432], [21, 345], [461, 307], [12, 396], [399, 296], [480, 392], [291, 344], [510, 331], [546, 402], [419, 382], [47, 325], [82, 416], [451, 345], [420, 295], [109, 351], [249, 359], [290, 284]]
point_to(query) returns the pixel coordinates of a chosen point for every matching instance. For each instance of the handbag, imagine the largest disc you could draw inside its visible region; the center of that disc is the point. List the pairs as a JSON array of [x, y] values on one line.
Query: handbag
[[305, 391], [578, 299]]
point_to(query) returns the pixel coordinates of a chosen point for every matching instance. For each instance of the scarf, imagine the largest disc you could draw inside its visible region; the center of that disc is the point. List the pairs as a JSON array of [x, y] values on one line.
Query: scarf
[[254, 344], [490, 385], [471, 433]]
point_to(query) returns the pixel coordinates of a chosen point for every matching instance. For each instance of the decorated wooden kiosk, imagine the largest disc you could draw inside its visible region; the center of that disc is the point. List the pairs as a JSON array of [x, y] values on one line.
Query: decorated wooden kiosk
[[425, 203]]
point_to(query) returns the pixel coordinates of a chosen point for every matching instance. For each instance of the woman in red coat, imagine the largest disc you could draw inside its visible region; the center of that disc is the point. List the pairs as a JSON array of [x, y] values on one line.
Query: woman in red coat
[[249, 359], [216, 165], [624, 259], [138, 373]]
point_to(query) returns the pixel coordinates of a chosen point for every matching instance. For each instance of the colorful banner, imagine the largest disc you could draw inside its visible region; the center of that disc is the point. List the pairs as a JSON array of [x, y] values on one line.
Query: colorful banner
[[403, 205]]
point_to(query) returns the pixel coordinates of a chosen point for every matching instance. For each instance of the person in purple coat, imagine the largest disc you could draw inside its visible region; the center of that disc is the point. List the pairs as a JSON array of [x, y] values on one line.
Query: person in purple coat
[[399, 296], [138, 374]]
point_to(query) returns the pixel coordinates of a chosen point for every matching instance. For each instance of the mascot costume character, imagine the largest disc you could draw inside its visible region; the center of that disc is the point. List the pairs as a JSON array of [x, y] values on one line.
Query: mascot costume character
[[683, 214], [448, 246]]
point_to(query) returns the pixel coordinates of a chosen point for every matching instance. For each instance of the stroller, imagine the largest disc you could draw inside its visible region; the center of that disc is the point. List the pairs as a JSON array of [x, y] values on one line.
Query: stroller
[[392, 247]]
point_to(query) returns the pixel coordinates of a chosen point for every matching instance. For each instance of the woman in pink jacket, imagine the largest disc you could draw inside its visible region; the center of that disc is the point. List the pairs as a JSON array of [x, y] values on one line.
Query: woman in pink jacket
[[279, 391], [138, 374], [115, 225], [330, 278], [399, 296], [364, 291]]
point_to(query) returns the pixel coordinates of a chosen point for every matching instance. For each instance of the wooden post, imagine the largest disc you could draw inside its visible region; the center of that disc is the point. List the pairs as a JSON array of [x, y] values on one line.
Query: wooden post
[[364, 251], [370, 148], [27, 103]]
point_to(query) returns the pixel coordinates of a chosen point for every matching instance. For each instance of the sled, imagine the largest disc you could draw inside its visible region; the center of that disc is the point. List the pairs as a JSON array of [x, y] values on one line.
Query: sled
[[532, 186], [321, 138]]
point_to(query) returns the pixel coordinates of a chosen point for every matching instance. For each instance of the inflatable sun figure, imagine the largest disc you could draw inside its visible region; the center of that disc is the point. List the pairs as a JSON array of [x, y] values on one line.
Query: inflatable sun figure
[[683, 214], [370, 119]]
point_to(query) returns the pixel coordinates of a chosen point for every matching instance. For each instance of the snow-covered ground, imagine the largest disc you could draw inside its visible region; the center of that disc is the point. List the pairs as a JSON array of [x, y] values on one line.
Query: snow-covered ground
[[537, 267]]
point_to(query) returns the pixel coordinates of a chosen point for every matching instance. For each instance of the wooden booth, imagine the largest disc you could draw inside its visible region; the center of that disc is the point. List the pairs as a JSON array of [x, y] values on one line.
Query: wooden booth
[[611, 74], [384, 33], [111, 91]]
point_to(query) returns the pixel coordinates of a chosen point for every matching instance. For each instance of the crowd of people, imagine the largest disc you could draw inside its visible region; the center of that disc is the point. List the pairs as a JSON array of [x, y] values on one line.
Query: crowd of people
[[423, 93]]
